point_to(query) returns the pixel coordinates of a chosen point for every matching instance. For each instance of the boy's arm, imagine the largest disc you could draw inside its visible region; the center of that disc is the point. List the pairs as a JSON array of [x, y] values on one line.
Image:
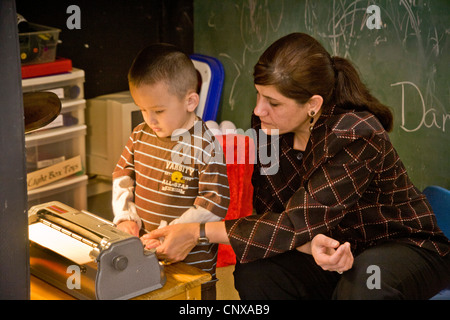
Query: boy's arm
[[123, 201], [196, 214]]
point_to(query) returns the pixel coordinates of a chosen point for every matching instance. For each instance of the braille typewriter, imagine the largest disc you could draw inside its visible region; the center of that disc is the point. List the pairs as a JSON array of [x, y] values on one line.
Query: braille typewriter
[[87, 256]]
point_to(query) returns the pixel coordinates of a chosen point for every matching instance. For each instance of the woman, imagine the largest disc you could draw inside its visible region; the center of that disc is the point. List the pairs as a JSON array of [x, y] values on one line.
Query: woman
[[340, 184]]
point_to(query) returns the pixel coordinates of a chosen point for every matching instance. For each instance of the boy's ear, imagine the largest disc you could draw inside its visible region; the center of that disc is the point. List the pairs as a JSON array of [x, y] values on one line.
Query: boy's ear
[[192, 101]]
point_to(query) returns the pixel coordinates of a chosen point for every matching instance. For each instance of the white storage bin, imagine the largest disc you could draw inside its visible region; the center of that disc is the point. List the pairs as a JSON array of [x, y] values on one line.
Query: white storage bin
[[49, 147], [71, 191], [67, 86]]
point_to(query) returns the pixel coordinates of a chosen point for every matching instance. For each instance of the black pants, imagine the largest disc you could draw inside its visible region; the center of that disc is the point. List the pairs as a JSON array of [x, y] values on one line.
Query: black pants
[[209, 291], [387, 271]]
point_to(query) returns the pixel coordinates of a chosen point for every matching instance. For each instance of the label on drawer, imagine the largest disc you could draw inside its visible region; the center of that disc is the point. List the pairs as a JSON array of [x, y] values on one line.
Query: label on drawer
[[54, 173]]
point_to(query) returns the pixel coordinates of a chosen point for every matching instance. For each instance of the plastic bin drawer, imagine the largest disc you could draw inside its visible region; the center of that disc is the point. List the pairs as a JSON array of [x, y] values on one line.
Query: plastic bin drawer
[[71, 191], [52, 146], [67, 86]]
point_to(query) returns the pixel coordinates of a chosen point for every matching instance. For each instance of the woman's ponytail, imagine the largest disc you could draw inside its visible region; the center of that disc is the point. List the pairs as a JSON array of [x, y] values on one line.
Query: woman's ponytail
[[350, 92]]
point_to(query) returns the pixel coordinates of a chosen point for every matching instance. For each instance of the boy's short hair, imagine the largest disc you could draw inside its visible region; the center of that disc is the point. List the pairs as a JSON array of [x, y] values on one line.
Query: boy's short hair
[[164, 62]]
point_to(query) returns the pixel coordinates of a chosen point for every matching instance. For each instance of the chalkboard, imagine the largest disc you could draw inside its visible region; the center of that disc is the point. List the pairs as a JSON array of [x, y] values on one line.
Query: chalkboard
[[405, 63]]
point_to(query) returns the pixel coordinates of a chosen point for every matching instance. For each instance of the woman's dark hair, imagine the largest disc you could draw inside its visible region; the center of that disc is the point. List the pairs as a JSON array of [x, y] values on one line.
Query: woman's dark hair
[[300, 67]]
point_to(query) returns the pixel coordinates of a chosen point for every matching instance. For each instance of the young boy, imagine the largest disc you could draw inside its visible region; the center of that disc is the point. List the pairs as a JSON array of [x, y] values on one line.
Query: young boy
[[171, 170]]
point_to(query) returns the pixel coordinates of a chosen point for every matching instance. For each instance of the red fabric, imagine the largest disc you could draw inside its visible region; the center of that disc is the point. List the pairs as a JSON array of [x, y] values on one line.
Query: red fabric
[[239, 155]]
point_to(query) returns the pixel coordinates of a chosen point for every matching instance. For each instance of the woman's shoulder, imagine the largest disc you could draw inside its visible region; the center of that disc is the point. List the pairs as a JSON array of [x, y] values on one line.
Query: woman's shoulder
[[354, 123], [340, 128]]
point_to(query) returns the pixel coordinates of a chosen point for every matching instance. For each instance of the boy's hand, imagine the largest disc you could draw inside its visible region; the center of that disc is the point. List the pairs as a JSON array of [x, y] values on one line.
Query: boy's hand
[[150, 243], [130, 227]]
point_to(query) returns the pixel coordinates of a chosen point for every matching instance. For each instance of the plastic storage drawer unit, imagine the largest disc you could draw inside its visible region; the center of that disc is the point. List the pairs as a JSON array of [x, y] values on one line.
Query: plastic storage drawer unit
[[52, 146], [67, 86], [71, 191]]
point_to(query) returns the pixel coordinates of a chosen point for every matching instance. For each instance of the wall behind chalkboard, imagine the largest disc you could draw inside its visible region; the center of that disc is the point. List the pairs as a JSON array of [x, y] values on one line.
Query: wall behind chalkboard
[[406, 63]]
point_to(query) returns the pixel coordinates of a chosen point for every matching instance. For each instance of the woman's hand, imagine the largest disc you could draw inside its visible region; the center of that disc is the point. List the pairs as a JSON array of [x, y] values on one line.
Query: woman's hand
[[330, 254], [179, 240]]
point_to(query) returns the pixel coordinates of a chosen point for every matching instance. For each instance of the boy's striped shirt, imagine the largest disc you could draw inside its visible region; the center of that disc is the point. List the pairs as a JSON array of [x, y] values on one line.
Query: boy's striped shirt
[[173, 174]]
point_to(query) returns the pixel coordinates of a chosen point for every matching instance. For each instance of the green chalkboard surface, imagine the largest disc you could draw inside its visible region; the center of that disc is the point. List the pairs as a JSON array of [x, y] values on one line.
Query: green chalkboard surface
[[405, 63]]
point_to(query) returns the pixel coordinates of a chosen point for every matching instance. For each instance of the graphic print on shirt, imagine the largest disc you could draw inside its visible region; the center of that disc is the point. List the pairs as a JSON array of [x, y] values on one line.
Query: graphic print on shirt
[[179, 177]]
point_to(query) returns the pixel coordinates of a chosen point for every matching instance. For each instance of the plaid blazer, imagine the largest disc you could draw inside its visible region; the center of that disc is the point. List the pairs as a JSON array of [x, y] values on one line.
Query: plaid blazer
[[349, 184]]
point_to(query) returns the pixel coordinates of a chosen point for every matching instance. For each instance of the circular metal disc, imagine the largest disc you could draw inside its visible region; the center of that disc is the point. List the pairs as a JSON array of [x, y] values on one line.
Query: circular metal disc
[[40, 108]]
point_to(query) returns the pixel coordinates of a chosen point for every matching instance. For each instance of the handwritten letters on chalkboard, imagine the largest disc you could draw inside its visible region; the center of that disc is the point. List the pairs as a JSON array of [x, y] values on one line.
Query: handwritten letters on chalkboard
[[428, 116]]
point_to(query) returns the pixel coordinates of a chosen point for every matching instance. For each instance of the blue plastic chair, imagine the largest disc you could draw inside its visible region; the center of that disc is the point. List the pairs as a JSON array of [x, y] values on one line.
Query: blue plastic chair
[[212, 76], [439, 199]]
